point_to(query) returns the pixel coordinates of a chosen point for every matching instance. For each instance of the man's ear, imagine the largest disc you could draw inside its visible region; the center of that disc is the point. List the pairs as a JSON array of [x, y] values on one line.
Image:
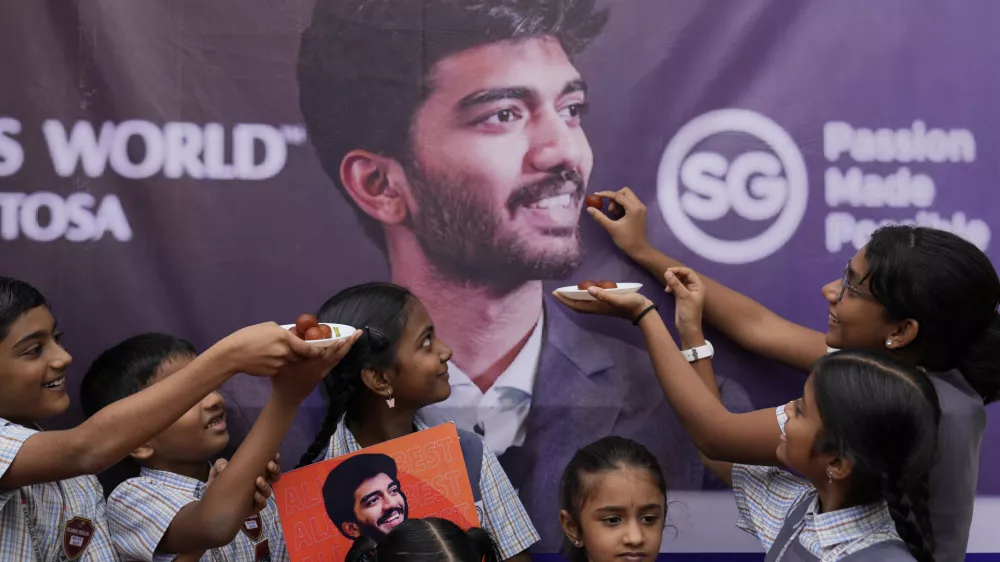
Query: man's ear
[[367, 179], [351, 529]]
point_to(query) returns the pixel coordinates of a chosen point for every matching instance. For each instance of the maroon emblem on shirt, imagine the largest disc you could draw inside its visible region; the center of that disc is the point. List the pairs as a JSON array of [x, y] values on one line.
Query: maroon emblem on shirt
[[253, 527], [262, 552], [77, 536]]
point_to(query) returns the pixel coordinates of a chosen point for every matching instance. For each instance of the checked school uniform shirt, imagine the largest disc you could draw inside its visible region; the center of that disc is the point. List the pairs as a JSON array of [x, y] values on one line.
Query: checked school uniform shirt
[[140, 510], [67, 517], [502, 514], [765, 496]]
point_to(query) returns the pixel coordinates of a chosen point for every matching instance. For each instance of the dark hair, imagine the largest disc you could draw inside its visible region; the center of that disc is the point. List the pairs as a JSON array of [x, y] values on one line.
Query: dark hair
[[951, 289], [127, 368], [602, 456], [380, 309], [884, 416], [365, 65], [428, 540], [343, 482], [16, 298]]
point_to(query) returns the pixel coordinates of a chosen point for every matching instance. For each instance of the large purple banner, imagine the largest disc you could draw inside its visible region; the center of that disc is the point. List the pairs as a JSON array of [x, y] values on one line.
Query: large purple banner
[[194, 167]]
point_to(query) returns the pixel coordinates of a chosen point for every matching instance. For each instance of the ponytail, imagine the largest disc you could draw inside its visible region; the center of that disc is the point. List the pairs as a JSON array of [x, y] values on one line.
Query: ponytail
[[485, 548], [909, 512], [981, 364], [341, 393]]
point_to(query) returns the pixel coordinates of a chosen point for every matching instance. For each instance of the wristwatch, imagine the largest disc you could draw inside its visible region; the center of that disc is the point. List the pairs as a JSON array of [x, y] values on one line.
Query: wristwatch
[[700, 352]]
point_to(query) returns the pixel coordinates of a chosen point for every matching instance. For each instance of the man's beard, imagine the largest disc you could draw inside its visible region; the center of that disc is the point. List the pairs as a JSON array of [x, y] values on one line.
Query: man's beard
[[375, 533], [463, 234]]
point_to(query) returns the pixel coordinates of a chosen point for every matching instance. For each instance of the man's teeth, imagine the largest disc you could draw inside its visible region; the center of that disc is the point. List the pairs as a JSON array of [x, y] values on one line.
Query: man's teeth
[[55, 384], [564, 200]]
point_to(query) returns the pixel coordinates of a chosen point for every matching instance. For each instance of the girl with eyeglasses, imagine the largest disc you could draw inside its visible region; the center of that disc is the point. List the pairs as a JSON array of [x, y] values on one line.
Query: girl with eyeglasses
[[926, 296]]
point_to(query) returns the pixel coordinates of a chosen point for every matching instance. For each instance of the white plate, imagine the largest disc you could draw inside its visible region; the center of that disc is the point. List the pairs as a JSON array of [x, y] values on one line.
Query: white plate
[[344, 330], [576, 294]]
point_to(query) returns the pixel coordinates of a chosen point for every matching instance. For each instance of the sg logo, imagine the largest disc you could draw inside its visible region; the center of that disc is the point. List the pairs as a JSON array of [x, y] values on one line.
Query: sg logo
[[756, 185]]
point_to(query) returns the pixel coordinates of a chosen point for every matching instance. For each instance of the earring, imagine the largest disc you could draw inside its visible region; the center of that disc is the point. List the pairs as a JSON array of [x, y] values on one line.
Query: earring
[[829, 475], [888, 343], [390, 401], [577, 544]]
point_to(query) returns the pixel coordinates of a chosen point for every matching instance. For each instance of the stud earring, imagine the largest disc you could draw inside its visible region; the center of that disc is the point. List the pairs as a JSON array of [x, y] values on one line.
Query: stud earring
[[390, 401], [577, 544], [888, 343]]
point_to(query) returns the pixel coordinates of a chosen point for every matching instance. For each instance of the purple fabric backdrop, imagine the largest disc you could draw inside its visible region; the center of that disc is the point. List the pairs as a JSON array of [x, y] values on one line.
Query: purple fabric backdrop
[[824, 119]]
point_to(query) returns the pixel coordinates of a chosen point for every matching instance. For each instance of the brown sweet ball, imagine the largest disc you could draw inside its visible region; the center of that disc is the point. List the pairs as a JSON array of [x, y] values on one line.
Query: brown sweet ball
[[594, 201], [304, 322], [314, 333], [607, 284], [584, 285]]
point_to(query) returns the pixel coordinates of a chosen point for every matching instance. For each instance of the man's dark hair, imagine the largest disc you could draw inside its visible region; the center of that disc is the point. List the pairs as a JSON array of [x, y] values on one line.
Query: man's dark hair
[[364, 65], [344, 479]]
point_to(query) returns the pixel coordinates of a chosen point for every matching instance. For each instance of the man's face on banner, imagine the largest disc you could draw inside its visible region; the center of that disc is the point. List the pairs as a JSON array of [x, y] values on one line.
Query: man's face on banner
[[379, 506], [499, 163]]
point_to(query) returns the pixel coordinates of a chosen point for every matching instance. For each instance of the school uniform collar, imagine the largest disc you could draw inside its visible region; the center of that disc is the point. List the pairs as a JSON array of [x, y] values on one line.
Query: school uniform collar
[[184, 483], [342, 442], [845, 525]]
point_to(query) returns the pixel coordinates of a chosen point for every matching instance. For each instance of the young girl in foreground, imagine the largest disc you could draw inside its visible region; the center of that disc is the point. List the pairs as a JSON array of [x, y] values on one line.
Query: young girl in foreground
[[427, 540], [397, 367], [614, 503], [864, 435]]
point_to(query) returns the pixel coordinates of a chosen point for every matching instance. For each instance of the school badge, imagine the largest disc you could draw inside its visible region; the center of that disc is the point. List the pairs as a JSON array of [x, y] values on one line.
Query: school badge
[[77, 536], [253, 527]]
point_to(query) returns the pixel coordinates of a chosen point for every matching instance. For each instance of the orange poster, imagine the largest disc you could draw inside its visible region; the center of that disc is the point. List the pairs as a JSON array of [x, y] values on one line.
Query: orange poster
[[325, 506]]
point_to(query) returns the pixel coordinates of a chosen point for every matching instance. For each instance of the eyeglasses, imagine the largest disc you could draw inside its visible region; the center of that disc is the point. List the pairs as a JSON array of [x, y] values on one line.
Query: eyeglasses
[[846, 285]]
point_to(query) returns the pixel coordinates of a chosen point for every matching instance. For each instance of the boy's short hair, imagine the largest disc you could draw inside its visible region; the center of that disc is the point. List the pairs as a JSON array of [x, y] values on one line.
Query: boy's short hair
[[127, 368], [16, 298]]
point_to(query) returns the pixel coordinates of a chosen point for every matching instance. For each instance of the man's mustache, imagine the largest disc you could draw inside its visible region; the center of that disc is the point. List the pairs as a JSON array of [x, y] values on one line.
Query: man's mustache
[[553, 185], [382, 520]]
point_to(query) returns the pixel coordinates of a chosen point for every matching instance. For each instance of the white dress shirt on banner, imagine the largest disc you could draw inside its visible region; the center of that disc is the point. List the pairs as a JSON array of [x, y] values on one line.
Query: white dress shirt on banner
[[500, 413]]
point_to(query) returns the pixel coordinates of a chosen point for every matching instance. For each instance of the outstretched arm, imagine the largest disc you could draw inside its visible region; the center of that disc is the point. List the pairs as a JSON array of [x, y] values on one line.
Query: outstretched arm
[[750, 438], [689, 293], [115, 431], [742, 319], [215, 520]]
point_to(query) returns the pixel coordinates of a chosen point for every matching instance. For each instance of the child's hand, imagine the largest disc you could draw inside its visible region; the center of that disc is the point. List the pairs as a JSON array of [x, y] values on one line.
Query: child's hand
[[298, 380], [690, 297], [264, 483], [627, 306], [263, 349], [219, 465]]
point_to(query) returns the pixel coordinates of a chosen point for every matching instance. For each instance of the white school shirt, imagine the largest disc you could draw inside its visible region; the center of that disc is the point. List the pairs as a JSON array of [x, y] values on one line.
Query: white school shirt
[[68, 517], [140, 510], [500, 413]]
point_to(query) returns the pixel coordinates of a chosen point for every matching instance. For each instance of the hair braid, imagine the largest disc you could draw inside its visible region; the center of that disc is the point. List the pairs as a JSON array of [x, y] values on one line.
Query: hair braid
[[910, 530]]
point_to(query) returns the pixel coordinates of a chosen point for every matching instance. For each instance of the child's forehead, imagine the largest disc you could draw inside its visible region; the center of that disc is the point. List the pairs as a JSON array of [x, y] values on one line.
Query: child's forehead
[[36, 320], [417, 317], [172, 364], [618, 486]]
